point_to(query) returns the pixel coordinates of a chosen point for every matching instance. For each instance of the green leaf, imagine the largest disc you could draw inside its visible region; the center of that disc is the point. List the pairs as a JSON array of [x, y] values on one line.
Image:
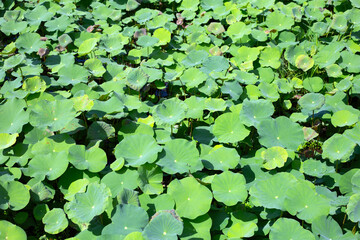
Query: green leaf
[[274, 157], [126, 219], [7, 140], [191, 198], [326, 227], [150, 179], [87, 46], [253, 111], [280, 132], [138, 149], [163, 35], [34, 84], [89, 204], [14, 195], [338, 147], [11, 231], [221, 158], [29, 42], [13, 117], [344, 118], [270, 192], [137, 79], [93, 159], [229, 188], [286, 228], [228, 129], [55, 221], [279, 21], [164, 225], [52, 114], [180, 156], [169, 112]]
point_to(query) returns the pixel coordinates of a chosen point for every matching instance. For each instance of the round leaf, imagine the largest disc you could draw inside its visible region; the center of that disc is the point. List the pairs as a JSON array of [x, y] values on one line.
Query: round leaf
[[11, 231], [344, 118], [338, 147], [286, 228], [229, 188], [274, 157], [55, 221], [165, 225], [228, 128], [191, 198]]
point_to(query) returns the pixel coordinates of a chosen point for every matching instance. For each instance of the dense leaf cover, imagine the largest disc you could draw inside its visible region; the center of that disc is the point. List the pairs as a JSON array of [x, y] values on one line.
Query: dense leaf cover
[[170, 119]]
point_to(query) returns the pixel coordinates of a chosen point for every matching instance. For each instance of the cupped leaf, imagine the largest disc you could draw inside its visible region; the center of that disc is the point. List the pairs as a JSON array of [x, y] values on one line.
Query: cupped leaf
[[312, 101], [13, 116], [137, 79], [344, 118], [253, 111], [170, 112], [229, 188], [150, 179], [87, 46], [228, 128], [51, 165], [89, 204], [326, 227], [138, 149], [93, 159], [286, 228], [14, 195], [11, 231], [352, 209], [221, 158], [52, 114], [7, 140], [274, 157], [304, 62], [55, 221], [303, 201], [126, 219], [164, 225], [191, 198], [180, 156], [280, 132], [338, 147], [270, 192]]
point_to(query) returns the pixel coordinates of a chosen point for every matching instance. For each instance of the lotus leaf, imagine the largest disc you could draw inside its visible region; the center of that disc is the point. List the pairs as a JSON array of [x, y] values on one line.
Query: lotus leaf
[[195, 58], [279, 21], [13, 117], [14, 195], [286, 228], [353, 134], [78, 186], [138, 149], [95, 66], [170, 112], [137, 78], [147, 41], [55, 221], [52, 114], [128, 196], [243, 225], [326, 227], [253, 111], [50, 165], [352, 208], [238, 30], [215, 64], [164, 225], [191, 198], [303, 201], [344, 118], [29, 42], [13, 61], [312, 101], [197, 228], [338, 147], [126, 219], [11, 231], [117, 181], [228, 128], [280, 132], [274, 157], [316, 168], [193, 77], [89, 204], [221, 158], [87, 46], [64, 40], [180, 156], [34, 84], [58, 24], [73, 74], [150, 179], [270, 192], [304, 62], [134, 235], [163, 35], [100, 130], [270, 57], [93, 159], [229, 188]]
